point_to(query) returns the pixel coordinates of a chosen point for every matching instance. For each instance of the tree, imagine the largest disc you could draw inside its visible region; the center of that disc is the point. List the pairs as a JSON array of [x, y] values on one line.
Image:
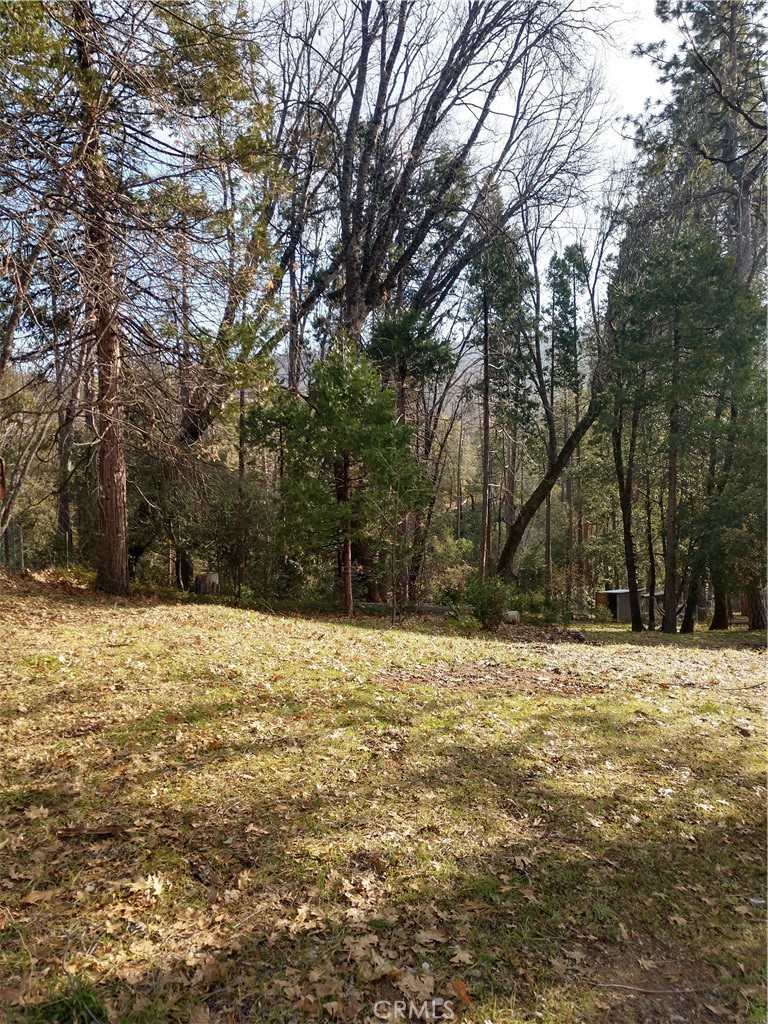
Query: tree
[[686, 324], [348, 473], [705, 154], [129, 219], [402, 157], [543, 367]]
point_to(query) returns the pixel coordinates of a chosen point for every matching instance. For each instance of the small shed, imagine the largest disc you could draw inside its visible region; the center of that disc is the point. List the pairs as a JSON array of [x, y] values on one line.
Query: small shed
[[617, 601]]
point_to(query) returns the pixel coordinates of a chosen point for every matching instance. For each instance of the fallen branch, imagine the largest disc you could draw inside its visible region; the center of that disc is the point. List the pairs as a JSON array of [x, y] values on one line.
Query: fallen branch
[[653, 991]]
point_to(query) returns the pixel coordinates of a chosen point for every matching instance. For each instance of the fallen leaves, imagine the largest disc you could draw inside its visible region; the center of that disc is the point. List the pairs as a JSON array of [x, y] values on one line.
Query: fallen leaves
[[39, 896], [429, 936], [459, 989], [313, 818]]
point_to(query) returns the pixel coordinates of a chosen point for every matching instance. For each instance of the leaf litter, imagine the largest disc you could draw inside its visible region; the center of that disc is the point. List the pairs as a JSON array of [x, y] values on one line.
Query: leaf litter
[[212, 815]]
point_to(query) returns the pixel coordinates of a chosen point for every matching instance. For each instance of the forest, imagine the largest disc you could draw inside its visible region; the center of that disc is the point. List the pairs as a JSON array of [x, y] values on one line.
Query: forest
[[382, 512], [351, 303]]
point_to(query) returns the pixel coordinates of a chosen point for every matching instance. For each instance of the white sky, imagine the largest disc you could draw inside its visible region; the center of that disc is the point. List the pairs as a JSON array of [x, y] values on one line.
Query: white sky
[[630, 81]]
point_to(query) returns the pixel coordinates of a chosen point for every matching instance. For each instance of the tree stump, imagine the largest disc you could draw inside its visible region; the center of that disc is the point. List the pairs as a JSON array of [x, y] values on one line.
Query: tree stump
[[207, 583]]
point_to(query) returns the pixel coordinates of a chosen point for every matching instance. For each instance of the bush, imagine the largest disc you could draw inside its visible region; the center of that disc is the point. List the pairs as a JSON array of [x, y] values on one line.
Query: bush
[[602, 613], [488, 599], [464, 625], [534, 603]]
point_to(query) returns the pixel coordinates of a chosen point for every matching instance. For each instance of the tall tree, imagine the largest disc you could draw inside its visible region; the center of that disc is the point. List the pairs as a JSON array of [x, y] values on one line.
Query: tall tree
[[687, 321]]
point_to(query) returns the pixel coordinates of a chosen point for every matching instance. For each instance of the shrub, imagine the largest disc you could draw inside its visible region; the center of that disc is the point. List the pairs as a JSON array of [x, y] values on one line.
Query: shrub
[[488, 599], [464, 625]]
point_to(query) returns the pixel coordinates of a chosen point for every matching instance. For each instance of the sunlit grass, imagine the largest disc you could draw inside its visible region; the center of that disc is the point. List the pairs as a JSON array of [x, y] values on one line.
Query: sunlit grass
[[313, 810]]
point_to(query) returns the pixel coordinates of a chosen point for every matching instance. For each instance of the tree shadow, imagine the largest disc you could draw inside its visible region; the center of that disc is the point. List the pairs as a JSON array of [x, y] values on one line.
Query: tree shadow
[[559, 890]]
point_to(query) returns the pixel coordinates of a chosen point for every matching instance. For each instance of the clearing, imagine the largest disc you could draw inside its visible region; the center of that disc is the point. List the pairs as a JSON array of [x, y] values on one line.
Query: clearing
[[212, 815]]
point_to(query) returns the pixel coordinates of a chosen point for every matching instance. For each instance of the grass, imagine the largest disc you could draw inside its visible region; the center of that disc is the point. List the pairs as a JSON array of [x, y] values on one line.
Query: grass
[[213, 815]]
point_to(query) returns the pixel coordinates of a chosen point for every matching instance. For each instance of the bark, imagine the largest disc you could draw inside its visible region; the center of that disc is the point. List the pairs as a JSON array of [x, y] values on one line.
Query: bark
[[721, 616], [552, 451], [343, 489], [548, 545], [112, 566], [569, 513], [669, 624], [63, 507], [485, 513], [689, 615], [184, 569], [651, 556], [294, 337], [240, 578], [629, 557], [756, 608], [533, 503], [402, 390], [361, 554], [458, 481], [625, 479]]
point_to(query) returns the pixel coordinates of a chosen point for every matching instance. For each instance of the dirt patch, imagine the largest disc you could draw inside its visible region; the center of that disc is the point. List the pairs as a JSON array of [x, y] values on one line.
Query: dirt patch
[[653, 987], [490, 677], [541, 634]]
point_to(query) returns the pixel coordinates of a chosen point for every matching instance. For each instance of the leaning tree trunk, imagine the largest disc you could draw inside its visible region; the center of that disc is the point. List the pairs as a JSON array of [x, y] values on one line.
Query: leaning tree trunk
[[533, 503]]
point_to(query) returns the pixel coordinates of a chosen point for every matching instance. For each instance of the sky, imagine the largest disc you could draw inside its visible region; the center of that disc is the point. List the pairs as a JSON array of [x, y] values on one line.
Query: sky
[[630, 81]]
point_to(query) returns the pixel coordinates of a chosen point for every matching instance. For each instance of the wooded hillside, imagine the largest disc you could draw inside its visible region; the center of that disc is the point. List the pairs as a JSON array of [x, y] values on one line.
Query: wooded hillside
[[346, 302]]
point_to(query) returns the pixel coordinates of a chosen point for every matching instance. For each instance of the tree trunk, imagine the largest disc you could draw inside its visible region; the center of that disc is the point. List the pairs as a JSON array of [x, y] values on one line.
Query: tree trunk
[[294, 353], [361, 554], [689, 615], [569, 512], [184, 569], [458, 480], [651, 556], [112, 573], [721, 616], [240, 575], [533, 503], [421, 529], [635, 610], [548, 546], [669, 624], [342, 498], [485, 518], [112, 568], [624, 477], [402, 390], [63, 506], [756, 608]]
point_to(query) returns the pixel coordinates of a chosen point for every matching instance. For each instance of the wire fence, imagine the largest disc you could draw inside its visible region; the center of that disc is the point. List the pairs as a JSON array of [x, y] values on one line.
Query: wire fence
[[12, 548]]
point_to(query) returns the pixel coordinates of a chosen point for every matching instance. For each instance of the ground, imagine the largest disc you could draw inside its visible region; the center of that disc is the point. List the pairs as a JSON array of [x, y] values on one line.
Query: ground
[[213, 815]]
